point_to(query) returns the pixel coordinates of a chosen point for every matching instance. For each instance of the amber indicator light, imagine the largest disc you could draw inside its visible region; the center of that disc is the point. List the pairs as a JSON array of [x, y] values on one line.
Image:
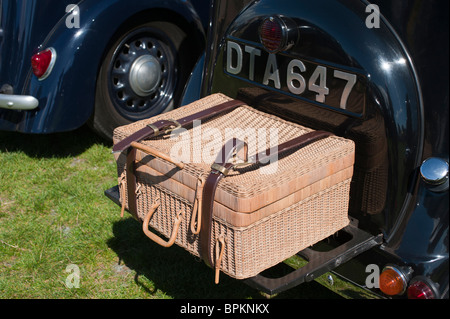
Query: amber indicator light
[[392, 282]]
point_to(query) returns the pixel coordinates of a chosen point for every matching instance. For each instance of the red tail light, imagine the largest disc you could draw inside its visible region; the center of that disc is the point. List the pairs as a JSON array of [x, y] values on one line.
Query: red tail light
[[271, 34], [278, 33], [42, 63], [420, 289]]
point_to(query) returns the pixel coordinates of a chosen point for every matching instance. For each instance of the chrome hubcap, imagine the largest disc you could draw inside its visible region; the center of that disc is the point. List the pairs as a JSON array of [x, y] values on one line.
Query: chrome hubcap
[[145, 75], [142, 75]]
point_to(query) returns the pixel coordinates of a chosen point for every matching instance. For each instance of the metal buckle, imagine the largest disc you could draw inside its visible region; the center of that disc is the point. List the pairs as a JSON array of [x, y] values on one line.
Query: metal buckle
[[177, 126], [225, 171], [155, 129], [220, 169], [157, 132]]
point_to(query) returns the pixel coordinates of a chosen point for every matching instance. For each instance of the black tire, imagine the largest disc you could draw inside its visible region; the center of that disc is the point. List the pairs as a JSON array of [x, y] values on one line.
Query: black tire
[[117, 101]]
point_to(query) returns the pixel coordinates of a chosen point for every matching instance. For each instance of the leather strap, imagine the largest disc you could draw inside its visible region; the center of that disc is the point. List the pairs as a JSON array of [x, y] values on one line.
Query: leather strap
[[166, 126], [209, 190], [149, 131], [296, 143], [216, 175]]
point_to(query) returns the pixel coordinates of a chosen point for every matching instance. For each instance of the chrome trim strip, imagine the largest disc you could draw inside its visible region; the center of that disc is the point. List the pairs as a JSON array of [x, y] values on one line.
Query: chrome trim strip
[[51, 65]]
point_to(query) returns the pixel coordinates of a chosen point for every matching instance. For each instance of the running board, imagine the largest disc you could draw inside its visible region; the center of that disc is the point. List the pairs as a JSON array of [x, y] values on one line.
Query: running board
[[319, 262], [113, 194]]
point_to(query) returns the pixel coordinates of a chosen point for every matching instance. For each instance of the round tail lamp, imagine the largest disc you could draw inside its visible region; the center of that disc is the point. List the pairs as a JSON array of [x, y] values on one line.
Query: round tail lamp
[[422, 288], [393, 281], [278, 33]]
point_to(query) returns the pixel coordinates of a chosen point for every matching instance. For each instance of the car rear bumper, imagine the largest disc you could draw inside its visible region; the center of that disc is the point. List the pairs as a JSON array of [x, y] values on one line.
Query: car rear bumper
[[18, 102]]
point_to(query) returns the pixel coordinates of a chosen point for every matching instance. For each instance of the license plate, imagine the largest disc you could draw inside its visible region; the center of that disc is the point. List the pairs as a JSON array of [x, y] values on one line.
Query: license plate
[[315, 82]]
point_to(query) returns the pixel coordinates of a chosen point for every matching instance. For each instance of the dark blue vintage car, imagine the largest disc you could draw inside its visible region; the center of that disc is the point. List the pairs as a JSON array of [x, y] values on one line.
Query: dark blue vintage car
[[376, 73], [106, 63]]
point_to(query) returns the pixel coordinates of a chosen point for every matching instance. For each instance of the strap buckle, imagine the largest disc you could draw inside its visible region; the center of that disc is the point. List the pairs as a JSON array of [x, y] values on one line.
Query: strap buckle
[[154, 128], [157, 131], [175, 127], [229, 150], [217, 168]]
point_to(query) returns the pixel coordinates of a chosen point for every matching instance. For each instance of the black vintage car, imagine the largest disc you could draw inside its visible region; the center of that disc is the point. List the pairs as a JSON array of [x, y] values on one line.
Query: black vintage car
[[376, 73]]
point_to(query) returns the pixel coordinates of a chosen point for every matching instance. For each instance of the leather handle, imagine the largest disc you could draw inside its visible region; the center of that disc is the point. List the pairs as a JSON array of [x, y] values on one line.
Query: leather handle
[[132, 204], [131, 182], [154, 152], [196, 217], [131, 174], [155, 237]]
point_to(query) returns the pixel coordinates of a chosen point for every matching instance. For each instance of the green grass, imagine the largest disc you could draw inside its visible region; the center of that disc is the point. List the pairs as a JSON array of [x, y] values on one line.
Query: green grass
[[53, 213]]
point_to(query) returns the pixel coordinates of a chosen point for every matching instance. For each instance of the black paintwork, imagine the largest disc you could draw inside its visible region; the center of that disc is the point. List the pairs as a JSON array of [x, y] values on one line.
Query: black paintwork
[[405, 62]]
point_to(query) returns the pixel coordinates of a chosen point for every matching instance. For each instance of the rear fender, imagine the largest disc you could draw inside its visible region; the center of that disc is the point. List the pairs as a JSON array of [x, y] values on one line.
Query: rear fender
[[66, 97]]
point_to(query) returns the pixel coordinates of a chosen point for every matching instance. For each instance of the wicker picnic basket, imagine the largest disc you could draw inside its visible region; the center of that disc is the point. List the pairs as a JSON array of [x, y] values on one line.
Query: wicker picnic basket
[[257, 213]]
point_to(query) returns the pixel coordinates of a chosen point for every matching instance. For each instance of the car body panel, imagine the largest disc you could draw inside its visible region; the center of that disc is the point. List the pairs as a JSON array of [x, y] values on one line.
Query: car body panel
[[66, 97]]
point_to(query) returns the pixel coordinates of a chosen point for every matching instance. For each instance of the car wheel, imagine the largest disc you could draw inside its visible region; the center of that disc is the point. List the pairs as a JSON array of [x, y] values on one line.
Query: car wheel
[[142, 75]]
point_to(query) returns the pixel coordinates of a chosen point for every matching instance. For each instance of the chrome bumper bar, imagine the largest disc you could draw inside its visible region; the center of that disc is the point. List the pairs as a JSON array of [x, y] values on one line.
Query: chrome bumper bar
[[18, 102]]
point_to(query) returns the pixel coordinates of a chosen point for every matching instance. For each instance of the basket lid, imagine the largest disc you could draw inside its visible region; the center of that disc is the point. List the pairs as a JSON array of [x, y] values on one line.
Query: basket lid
[[248, 188]]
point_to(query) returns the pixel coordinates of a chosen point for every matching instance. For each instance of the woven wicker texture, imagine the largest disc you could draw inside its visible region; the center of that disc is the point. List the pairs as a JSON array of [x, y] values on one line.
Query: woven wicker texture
[[264, 218], [289, 173], [265, 243], [370, 179]]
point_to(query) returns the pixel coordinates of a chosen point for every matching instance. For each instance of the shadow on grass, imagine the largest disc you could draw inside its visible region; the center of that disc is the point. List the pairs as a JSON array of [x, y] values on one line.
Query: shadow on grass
[[58, 145], [182, 275], [172, 271]]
